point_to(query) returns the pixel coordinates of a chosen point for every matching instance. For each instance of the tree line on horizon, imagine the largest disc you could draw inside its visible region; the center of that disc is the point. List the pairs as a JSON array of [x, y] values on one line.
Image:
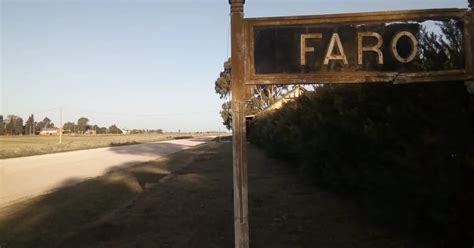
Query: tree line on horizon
[[14, 125]]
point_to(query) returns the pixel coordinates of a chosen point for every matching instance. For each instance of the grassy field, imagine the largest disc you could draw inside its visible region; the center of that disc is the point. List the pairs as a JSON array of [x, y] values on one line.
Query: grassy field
[[19, 146]]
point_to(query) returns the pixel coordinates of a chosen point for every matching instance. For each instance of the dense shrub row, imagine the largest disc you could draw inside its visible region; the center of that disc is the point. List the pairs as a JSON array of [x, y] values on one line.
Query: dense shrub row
[[400, 150]]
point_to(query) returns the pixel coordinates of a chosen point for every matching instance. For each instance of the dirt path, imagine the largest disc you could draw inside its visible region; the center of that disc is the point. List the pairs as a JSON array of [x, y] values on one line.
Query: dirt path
[[25, 177], [192, 207]]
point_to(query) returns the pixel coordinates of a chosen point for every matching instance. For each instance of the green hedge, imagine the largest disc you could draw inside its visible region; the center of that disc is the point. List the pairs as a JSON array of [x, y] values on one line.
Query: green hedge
[[400, 150]]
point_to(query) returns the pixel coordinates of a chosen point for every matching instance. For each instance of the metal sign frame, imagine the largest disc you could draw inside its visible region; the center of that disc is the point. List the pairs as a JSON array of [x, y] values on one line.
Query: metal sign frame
[[244, 77], [252, 78]]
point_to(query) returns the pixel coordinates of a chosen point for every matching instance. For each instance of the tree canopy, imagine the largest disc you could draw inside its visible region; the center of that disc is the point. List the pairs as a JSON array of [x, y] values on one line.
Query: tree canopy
[[115, 130], [82, 124], [45, 123], [30, 125], [262, 96], [2, 125], [14, 125]]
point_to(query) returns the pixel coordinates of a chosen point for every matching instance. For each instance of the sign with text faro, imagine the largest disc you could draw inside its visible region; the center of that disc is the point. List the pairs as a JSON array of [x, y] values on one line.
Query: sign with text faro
[[398, 47]]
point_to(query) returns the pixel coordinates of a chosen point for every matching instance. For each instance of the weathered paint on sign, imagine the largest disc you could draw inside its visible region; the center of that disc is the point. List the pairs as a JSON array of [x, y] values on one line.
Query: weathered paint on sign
[[393, 47], [355, 48]]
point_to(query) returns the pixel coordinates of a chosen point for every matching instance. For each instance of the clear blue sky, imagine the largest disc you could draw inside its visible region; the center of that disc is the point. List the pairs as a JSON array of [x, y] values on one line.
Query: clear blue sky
[[136, 63]]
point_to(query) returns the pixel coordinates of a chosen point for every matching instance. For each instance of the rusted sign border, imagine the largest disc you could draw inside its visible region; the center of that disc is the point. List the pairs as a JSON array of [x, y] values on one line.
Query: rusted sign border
[[251, 78]]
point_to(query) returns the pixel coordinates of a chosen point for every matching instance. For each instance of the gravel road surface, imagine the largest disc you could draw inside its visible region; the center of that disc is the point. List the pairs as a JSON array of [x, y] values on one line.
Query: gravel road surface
[[26, 177]]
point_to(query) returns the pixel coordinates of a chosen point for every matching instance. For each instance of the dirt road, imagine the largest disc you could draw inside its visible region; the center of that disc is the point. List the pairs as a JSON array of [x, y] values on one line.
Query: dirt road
[[30, 176]]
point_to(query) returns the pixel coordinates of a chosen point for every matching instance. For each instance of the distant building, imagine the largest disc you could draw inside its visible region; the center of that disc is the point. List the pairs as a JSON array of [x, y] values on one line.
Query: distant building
[[49, 131], [90, 132], [291, 96], [124, 131]]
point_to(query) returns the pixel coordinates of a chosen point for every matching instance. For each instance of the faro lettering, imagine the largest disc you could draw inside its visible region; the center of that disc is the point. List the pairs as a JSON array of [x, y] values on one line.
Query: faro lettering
[[362, 48]]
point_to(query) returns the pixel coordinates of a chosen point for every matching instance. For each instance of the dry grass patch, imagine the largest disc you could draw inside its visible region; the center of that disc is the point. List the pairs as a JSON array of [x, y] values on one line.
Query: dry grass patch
[[19, 146]]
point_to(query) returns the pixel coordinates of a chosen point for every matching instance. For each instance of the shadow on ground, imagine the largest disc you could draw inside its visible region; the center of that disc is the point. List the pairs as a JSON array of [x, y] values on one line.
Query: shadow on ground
[[186, 201], [158, 149], [53, 219]]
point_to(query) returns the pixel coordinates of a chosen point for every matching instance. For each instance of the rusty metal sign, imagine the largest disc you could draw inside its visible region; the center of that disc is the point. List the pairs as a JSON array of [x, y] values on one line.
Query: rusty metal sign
[[359, 48], [397, 47]]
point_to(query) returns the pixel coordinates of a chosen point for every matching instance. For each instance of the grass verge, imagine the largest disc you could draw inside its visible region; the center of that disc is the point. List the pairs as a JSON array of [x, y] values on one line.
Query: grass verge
[[20, 146]]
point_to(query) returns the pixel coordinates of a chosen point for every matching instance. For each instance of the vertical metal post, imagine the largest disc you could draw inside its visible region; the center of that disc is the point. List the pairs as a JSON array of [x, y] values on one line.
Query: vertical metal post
[[471, 32], [241, 226], [470, 45]]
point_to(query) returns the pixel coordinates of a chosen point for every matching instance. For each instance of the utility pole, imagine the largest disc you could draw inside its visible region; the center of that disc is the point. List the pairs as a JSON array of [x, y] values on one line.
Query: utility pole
[[60, 125], [239, 151]]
